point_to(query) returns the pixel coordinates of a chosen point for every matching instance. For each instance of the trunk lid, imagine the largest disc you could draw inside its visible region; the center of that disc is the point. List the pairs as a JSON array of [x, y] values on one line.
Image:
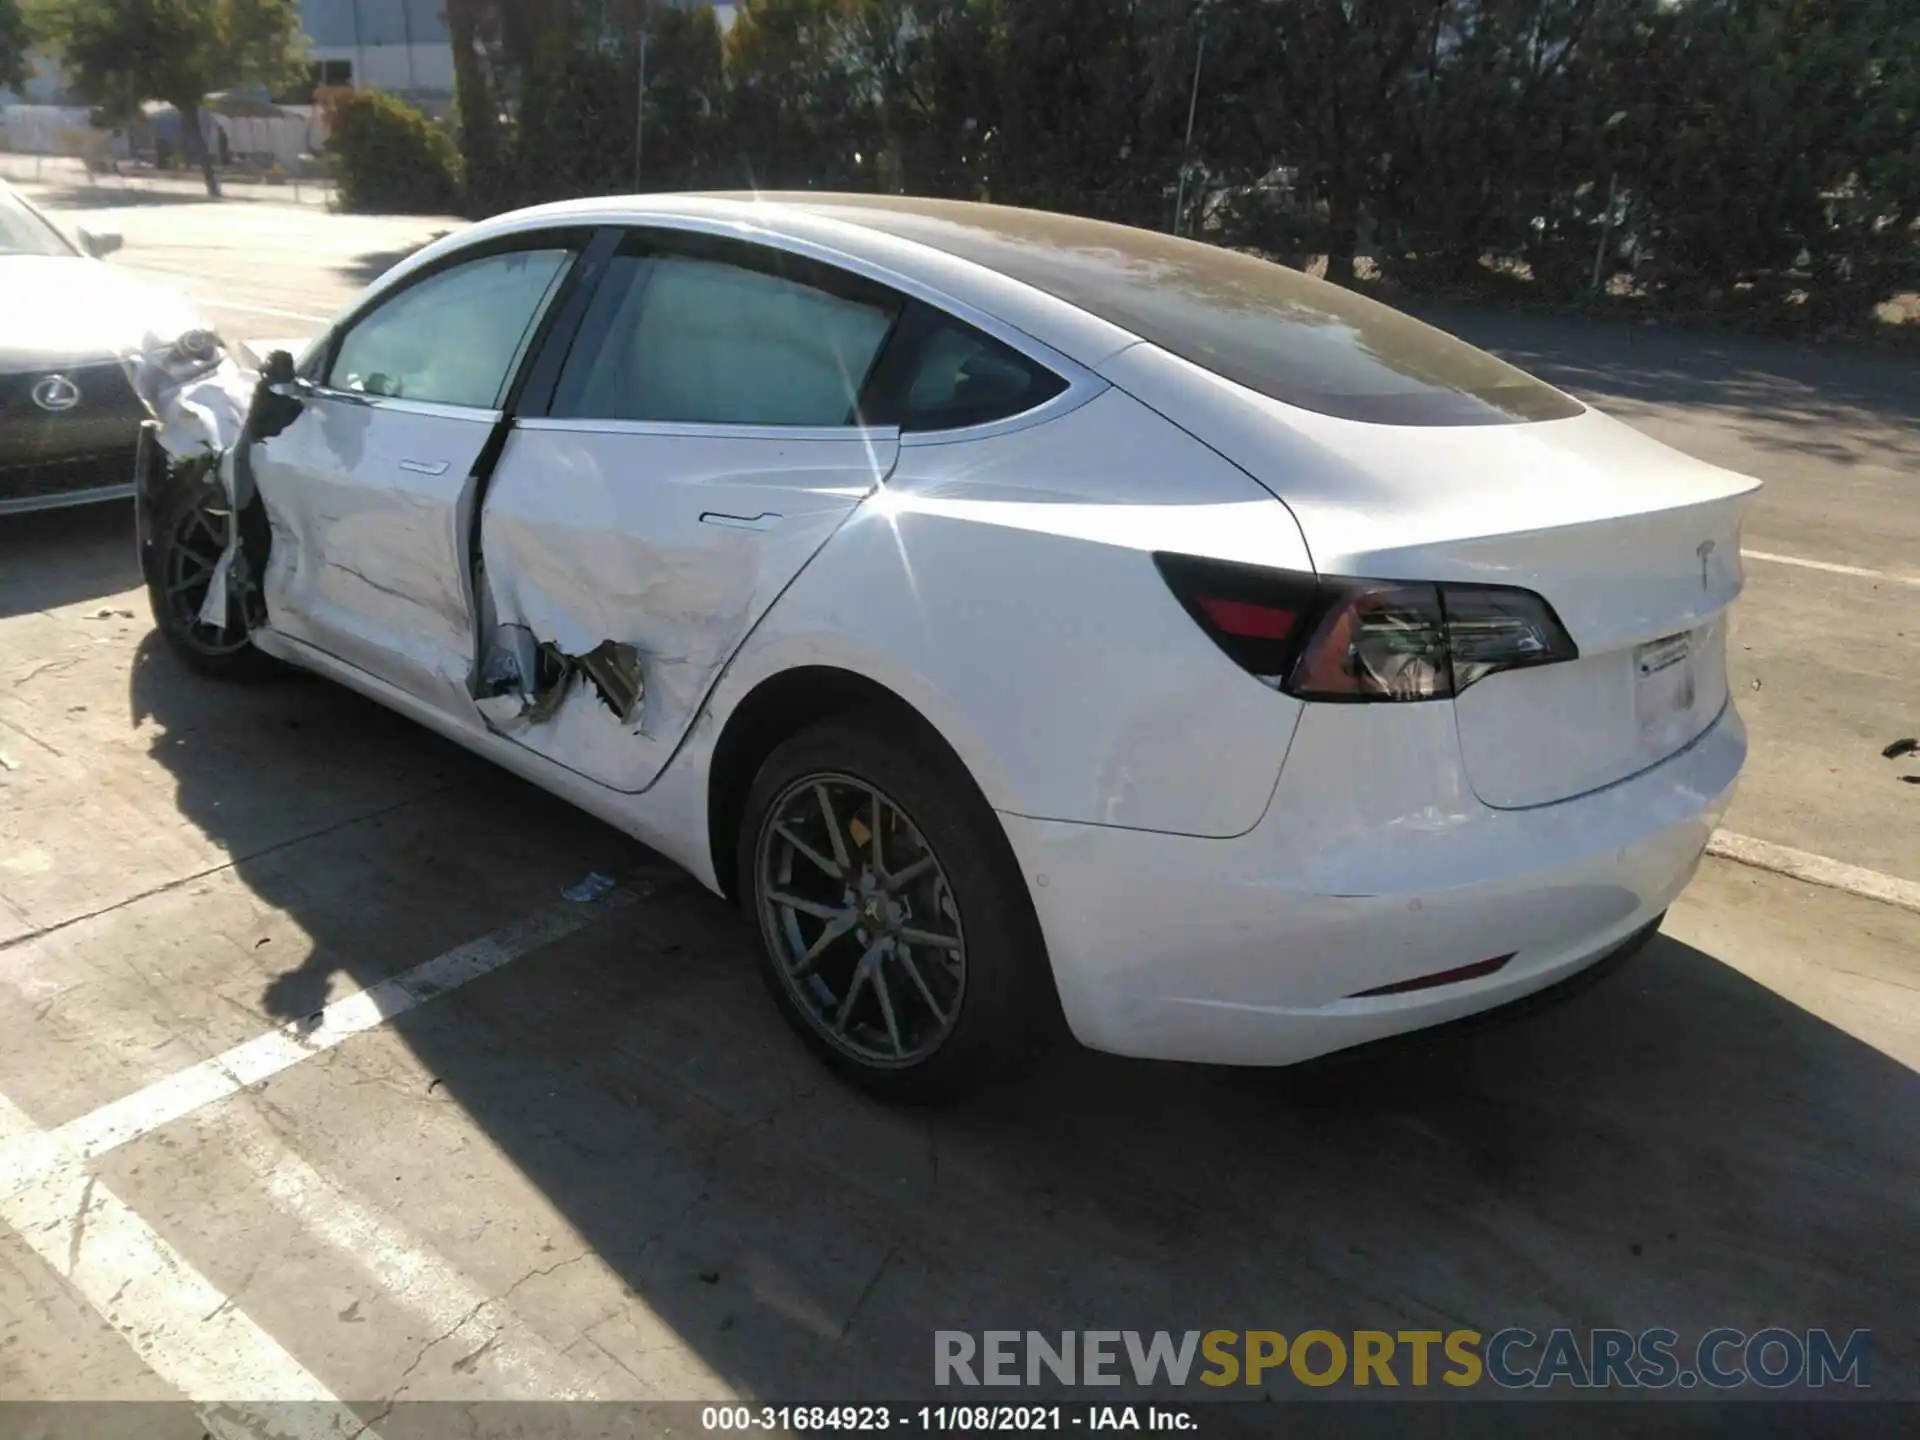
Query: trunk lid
[[1644, 597], [1635, 545]]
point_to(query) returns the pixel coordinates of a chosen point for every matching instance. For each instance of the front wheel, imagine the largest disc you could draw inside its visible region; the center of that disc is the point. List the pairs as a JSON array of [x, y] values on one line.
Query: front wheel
[[896, 933], [190, 535]]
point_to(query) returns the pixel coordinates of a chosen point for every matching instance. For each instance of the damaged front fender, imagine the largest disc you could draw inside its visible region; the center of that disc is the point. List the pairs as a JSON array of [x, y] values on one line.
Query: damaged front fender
[[197, 436]]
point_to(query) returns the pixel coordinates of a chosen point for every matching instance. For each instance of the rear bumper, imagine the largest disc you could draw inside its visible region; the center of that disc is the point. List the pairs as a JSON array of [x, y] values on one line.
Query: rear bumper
[[1254, 950]]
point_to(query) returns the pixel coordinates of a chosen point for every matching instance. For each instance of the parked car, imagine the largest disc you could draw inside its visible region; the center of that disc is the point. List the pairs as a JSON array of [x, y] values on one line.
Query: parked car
[[1016, 614], [70, 331]]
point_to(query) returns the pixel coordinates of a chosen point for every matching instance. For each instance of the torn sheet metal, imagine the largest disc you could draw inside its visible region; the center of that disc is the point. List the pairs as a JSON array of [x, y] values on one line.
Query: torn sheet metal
[[540, 673], [586, 600], [613, 670], [587, 706], [200, 421], [202, 416]]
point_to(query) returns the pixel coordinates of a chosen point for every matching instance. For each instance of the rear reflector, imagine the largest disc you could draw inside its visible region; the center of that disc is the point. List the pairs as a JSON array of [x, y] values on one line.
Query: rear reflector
[[1439, 977], [1256, 615], [1243, 618]]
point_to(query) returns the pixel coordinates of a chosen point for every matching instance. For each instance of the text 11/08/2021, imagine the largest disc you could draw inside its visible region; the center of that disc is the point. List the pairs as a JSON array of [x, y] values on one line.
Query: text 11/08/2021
[[946, 1419]]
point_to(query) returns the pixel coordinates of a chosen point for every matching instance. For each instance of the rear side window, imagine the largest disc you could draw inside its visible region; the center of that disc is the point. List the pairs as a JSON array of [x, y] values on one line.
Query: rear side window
[[454, 337], [724, 334], [942, 374]]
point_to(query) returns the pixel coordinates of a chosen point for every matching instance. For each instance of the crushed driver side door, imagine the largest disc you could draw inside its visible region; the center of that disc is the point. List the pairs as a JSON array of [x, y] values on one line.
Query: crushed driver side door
[[368, 487]]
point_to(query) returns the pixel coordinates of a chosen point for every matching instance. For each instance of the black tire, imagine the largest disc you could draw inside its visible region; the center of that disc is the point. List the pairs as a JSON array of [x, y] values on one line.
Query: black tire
[[980, 1027], [189, 531]]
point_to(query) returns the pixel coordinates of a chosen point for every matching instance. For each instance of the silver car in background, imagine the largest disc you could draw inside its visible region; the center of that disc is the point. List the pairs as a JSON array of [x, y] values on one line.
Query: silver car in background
[[76, 337]]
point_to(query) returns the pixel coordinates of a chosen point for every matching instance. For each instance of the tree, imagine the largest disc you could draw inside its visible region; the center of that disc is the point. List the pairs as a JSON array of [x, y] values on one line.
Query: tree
[[390, 159], [1321, 89], [932, 69], [801, 115], [686, 101], [1093, 106], [1779, 148], [468, 22], [119, 53], [15, 40]]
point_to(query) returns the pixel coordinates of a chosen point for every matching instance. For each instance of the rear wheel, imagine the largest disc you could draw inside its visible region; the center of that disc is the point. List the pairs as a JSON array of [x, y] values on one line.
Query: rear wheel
[[191, 534], [896, 933]]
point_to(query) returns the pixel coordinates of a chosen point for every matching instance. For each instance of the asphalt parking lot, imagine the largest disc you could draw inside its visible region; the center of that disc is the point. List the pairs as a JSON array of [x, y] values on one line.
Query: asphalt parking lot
[[580, 1156]]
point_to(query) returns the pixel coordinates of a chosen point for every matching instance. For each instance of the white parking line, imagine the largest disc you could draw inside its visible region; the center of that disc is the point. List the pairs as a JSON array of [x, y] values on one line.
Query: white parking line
[[217, 304], [181, 1324], [439, 1297], [216, 300], [184, 1327], [1832, 569], [1815, 869], [252, 1061]]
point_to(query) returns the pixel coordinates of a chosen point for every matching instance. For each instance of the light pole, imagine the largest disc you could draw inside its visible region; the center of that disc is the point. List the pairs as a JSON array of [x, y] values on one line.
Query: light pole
[[1613, 193], [1193, 104], [640, 99], [644, 24], [1606, 229], [359, 50], [406, 38]]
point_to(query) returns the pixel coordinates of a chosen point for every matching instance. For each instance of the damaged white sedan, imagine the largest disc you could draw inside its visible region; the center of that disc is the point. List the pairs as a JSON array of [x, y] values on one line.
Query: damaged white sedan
[[1019, 615]]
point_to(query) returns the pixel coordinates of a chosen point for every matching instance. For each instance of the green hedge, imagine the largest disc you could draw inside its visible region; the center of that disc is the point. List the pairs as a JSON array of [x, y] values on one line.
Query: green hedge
[[389, 157]]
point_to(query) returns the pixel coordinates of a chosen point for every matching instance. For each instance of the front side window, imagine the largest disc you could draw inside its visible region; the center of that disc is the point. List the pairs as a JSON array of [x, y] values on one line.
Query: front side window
[[454, 337], [710, 337]]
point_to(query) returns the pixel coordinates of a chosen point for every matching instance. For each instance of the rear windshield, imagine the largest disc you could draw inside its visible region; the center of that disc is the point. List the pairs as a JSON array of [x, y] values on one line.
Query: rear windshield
[[1274, 330]]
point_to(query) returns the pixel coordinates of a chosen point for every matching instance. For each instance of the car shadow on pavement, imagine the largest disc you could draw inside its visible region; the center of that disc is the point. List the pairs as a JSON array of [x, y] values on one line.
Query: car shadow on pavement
[[1841, 404], [50, 558], [1676, 1146], [107, 195]]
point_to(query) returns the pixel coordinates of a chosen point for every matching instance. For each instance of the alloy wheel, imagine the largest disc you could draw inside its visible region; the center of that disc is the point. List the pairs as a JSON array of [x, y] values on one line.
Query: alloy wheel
[[860, 920], [193, 552]]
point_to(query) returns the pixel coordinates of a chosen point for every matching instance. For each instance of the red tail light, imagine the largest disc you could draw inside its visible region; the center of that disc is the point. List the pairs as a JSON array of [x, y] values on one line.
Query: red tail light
[[1355, 640]]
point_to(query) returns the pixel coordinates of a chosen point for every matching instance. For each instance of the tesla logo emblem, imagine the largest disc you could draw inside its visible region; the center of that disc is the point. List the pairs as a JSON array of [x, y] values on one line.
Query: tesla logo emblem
[[56, 393], [1703, 550]]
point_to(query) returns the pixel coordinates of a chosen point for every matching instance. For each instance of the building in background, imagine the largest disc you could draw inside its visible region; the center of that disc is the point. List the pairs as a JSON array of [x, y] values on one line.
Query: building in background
[[397, 45]]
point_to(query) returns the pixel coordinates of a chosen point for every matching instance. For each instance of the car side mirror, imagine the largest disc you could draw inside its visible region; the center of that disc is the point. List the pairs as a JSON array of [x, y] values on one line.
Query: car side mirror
[[101, 243], [277, 372], [278, 397]]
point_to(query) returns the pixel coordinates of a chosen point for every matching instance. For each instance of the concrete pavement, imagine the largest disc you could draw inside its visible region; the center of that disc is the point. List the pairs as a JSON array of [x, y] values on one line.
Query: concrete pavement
[[1822, 640], [601, 1167]]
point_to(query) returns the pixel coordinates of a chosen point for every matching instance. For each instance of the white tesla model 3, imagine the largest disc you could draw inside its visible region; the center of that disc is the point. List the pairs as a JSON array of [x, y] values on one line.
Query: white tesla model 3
[[1017, 614]]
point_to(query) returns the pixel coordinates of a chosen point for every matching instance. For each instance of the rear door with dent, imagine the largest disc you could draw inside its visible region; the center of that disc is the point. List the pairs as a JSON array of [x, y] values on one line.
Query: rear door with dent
[[698, 444]]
